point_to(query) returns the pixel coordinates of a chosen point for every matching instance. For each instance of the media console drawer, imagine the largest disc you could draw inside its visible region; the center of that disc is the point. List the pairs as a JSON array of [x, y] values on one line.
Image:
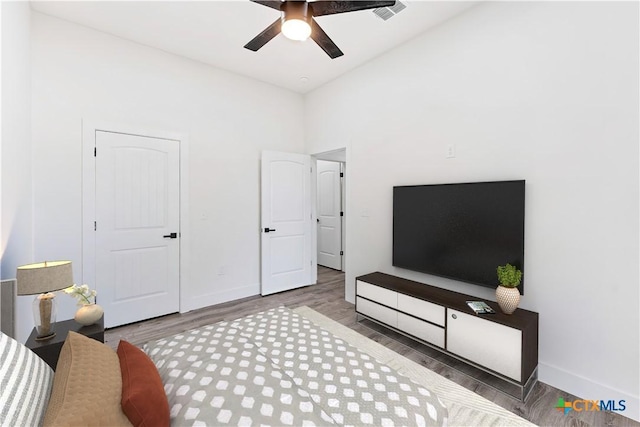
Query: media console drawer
[[425, 331], [377, 294], [420, 308], [377, 311]]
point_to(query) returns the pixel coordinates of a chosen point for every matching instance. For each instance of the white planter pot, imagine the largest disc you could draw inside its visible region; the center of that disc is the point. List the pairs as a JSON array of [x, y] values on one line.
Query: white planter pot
[[88, 314], [508, 299]]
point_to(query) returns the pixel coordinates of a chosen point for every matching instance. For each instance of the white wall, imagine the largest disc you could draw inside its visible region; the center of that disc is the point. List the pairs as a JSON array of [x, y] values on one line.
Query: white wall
[[2, 243], [79, 73], [16, 244], [542, 91]]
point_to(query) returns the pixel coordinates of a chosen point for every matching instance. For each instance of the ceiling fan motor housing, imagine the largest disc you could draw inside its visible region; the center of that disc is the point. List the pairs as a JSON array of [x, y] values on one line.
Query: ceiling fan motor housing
[[297, 10]]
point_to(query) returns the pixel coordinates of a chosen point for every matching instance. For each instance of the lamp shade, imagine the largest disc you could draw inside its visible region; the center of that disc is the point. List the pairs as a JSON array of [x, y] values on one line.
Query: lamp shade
[[44, 277]]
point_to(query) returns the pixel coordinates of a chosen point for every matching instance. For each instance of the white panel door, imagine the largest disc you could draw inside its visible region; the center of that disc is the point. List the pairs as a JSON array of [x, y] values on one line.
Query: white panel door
[[329, 207], [137, 212], [286, 221]]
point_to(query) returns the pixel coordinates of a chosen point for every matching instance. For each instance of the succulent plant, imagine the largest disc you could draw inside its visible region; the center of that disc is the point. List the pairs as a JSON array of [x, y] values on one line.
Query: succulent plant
[[509, 276]]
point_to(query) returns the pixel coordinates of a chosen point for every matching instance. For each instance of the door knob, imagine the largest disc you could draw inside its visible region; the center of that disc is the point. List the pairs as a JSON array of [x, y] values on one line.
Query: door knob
[[171, 236], [266, 230]]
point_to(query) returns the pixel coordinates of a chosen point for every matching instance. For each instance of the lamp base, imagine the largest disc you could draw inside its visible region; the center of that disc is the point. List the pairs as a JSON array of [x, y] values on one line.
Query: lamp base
[[46, 337], [44, 316]]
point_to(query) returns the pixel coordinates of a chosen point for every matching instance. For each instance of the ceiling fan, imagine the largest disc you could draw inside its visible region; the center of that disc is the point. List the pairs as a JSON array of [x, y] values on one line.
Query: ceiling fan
[[297, 21]]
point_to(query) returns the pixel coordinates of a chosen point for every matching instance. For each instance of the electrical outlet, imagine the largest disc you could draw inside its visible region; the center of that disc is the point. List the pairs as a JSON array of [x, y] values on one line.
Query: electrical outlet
[[451, 151]]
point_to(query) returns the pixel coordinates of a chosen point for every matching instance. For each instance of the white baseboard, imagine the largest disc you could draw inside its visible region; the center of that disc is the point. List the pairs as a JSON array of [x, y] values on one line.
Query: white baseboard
[[195, 302], [586, 388]]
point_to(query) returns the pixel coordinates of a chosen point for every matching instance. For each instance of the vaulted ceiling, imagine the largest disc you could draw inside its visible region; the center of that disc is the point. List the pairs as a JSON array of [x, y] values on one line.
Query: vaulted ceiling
[[214, 32]]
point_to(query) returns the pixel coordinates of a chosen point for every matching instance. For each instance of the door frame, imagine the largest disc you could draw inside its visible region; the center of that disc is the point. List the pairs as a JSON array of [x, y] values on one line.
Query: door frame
[[340, 154], [342, 207], [89, 129]]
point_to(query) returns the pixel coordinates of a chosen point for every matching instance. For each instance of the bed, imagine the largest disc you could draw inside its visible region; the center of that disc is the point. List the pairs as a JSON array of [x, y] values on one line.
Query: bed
[[271, 368]]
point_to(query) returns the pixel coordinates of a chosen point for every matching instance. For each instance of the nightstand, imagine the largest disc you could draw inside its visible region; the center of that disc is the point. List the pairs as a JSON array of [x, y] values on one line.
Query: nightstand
[[49, 350]]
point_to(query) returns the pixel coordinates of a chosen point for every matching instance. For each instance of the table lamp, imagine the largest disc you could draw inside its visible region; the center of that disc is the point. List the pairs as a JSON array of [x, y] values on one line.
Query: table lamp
[[42, 279]]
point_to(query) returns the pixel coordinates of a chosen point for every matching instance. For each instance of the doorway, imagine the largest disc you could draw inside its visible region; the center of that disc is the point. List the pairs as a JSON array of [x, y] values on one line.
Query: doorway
[[289, 242], [331, 209]]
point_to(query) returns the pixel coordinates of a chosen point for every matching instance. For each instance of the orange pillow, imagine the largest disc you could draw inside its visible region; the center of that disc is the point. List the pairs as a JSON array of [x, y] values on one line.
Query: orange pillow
[[143, 398]]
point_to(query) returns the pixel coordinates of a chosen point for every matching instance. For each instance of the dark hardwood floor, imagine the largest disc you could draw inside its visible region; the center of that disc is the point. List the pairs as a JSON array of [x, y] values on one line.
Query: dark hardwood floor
[[327, 297]]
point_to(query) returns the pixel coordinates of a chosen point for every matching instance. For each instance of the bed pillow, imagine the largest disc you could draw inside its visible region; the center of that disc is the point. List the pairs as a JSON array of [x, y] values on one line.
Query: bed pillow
[[25, 384], [87, 385], [143, 397]]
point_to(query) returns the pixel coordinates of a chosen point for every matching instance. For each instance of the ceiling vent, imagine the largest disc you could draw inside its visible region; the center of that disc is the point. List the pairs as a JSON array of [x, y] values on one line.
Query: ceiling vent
[[388, 12]]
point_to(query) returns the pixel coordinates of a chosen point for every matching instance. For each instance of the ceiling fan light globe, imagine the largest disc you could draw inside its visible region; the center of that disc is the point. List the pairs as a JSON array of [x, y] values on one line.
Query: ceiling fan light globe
[[296, 29]]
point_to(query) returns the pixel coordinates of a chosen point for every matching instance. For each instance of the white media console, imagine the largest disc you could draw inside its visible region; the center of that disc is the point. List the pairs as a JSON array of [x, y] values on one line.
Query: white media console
[[505, 346]]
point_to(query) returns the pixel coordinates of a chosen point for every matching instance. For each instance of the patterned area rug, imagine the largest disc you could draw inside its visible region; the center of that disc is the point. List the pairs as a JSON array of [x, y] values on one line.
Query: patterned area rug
[[466, 408]]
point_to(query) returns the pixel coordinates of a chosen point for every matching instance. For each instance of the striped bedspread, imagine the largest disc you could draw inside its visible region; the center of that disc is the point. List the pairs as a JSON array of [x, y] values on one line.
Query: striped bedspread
[[25, 384]]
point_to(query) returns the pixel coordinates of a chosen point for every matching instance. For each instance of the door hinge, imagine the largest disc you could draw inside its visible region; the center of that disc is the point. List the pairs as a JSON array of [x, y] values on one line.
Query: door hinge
[[341, 253], [341, 213], [341, 174], [95, 151], [95, 226]]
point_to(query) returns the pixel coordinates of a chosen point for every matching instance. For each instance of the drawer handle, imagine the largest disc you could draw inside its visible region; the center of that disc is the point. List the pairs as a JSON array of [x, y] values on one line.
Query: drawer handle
[[454, 316]]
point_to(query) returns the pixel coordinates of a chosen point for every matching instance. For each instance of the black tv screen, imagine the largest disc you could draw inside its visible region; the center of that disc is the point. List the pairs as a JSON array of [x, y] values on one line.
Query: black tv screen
[[460, 231]]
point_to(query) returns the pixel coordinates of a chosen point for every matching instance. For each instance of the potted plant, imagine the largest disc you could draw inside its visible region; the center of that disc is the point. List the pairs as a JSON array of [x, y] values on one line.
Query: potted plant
[[507, 294], [89, 312]]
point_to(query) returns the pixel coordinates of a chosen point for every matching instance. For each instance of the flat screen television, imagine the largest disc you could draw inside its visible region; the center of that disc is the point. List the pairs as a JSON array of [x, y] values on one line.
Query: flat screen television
[[460, 231]]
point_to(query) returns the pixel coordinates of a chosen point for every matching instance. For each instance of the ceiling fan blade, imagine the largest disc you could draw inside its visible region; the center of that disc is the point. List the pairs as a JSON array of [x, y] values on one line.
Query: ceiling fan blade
[[261, 39], [322, 39], [273, 4], [322, 7]]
